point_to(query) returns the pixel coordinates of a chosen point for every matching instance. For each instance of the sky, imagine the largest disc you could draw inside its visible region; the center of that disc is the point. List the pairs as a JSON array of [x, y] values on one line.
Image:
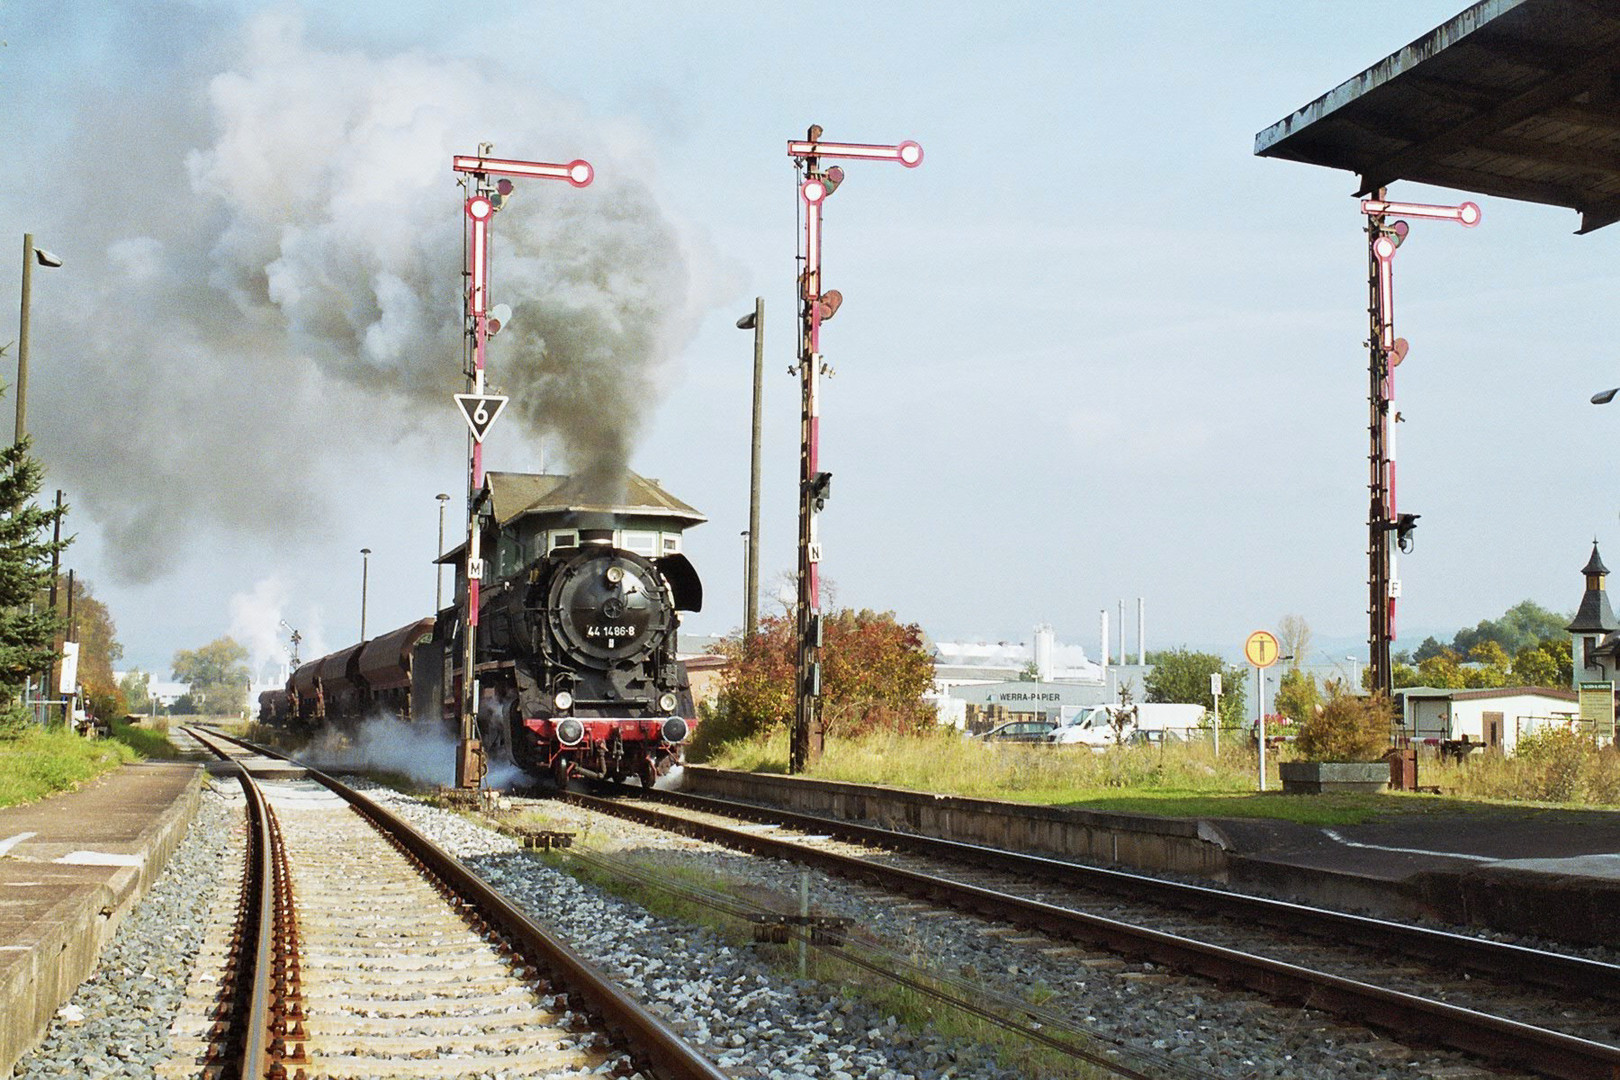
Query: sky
[[1091, 350]]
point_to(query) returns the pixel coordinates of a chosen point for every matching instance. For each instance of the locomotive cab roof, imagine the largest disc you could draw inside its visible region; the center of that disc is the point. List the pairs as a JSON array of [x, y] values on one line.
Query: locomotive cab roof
[[533, 501]]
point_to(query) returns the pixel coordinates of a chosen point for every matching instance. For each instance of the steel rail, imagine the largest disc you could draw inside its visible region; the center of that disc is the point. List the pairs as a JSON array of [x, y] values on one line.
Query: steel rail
[[663, 1053], [1545, 1052], [255, 962], [256, 1039], [1568, 974]]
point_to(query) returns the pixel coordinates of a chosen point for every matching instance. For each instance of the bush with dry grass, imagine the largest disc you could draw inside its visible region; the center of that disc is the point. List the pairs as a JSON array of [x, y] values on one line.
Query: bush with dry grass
[[1552, 764], [1346, 728]]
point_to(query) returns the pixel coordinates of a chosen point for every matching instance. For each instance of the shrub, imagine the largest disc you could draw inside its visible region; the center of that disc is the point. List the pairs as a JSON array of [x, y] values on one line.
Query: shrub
[[1347, 728]]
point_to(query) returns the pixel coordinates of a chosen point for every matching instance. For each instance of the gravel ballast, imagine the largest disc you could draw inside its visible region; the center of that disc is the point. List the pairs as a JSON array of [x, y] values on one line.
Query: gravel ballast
[[750, 1017], [117, 1022], [1181, 1023]]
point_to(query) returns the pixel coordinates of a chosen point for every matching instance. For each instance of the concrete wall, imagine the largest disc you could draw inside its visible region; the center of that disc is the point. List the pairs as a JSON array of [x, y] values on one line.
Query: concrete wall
[[1145, 842]]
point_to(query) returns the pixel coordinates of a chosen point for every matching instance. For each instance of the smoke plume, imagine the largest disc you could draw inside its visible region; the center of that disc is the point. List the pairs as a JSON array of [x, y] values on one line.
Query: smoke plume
[[268, 285]]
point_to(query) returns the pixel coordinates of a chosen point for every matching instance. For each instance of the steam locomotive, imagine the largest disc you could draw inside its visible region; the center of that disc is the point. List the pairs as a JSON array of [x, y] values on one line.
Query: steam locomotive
[[577, 668]]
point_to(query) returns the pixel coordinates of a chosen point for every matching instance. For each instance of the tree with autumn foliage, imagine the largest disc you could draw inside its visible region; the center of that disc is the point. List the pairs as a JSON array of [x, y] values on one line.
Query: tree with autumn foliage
[[97, 635], [875, 671]]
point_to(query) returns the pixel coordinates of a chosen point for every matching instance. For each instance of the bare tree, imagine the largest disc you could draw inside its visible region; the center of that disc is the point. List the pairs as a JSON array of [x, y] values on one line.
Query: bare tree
[[1294, 635]]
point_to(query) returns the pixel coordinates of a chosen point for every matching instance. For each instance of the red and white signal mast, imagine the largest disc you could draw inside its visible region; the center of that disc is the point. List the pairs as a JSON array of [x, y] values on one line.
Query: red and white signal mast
[[491, 183], [815, 307], [1386, 351]]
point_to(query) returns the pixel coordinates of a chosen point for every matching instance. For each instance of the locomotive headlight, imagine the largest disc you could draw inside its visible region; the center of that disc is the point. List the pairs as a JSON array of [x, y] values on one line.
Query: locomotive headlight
[[570, 731], [667, 703], [563, 700], [674, 730], [615, 574]]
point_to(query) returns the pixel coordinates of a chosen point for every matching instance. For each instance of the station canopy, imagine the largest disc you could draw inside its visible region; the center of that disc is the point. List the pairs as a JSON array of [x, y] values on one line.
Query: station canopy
[[1513, 98]]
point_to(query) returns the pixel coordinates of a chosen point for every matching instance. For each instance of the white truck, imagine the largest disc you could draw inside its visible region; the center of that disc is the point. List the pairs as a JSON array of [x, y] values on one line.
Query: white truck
[[1093, 725]]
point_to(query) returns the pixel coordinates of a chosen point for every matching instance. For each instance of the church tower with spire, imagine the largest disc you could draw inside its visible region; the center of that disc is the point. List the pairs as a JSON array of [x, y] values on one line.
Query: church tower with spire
[[1592, 640]]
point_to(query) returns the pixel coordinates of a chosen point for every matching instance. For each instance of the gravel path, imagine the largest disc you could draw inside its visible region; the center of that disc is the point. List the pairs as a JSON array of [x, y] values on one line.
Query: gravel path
[[117, 1022]]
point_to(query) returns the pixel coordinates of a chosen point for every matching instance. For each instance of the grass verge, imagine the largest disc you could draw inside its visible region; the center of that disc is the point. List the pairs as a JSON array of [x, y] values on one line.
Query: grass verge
[[147, 742], [39, 762], [1178, 779]]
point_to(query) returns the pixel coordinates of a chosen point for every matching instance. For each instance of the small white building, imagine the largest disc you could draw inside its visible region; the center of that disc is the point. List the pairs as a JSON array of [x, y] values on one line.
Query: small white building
[[1495, 718]]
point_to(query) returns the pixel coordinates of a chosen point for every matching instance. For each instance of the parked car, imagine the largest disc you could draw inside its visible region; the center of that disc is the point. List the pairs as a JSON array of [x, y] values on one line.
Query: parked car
[[1094, 726], [1034, 731]]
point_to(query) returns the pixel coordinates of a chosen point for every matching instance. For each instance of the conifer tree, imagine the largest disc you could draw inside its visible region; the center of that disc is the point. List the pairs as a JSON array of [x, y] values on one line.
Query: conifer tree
[[27, 631]]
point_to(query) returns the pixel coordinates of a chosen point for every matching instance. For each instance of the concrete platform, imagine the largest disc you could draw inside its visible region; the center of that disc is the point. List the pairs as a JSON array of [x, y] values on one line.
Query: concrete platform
[[71, 867], [1551, 873]]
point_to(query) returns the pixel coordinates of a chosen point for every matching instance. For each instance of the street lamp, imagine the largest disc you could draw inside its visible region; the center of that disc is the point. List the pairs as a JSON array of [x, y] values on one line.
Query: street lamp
[[755, 321], [438, 567], [365, 573], [31, 255], [1603, 397]]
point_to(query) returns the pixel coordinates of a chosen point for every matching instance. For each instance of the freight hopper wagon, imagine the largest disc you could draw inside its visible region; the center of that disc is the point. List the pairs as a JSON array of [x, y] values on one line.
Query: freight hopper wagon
[[369, 679], [576, 666]]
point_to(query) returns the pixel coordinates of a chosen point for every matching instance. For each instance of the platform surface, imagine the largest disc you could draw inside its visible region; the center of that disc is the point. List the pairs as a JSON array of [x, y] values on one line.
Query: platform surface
[[1549, 872], [71, 866]]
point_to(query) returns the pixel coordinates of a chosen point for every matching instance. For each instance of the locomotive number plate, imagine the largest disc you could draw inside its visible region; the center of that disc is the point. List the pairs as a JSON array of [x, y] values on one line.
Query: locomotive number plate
[[610, 631]]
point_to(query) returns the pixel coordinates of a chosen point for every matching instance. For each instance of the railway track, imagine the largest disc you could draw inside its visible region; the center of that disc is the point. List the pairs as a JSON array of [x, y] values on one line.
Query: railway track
[[1322, 959], [360, 949]]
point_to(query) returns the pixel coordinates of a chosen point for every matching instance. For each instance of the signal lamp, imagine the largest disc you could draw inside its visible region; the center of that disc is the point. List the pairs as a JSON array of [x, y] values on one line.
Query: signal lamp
[[1404, 524], [832, 178], [615, 574], [667, 702], [1399, 231], [570, 732], [1397, 352], [563, 700], [499, 316], [820, 489], [504, 186], [675, 730]]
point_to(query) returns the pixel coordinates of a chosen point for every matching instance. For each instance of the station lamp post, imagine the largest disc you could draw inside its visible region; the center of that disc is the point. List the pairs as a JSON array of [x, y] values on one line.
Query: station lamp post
[[365, 574], [755, 321], [438, 567], [31, 255]]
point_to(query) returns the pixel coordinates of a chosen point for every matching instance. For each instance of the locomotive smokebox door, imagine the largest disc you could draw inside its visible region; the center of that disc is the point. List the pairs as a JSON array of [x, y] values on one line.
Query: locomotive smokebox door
[[469, 763]]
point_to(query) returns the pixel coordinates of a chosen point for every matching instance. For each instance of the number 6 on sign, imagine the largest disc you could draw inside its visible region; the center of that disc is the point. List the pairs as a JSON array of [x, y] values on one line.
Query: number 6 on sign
[[480, 411]]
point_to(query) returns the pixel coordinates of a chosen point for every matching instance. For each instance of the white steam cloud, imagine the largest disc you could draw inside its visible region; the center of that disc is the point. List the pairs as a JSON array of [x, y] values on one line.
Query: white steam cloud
[[256, 619], [278, 288]]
